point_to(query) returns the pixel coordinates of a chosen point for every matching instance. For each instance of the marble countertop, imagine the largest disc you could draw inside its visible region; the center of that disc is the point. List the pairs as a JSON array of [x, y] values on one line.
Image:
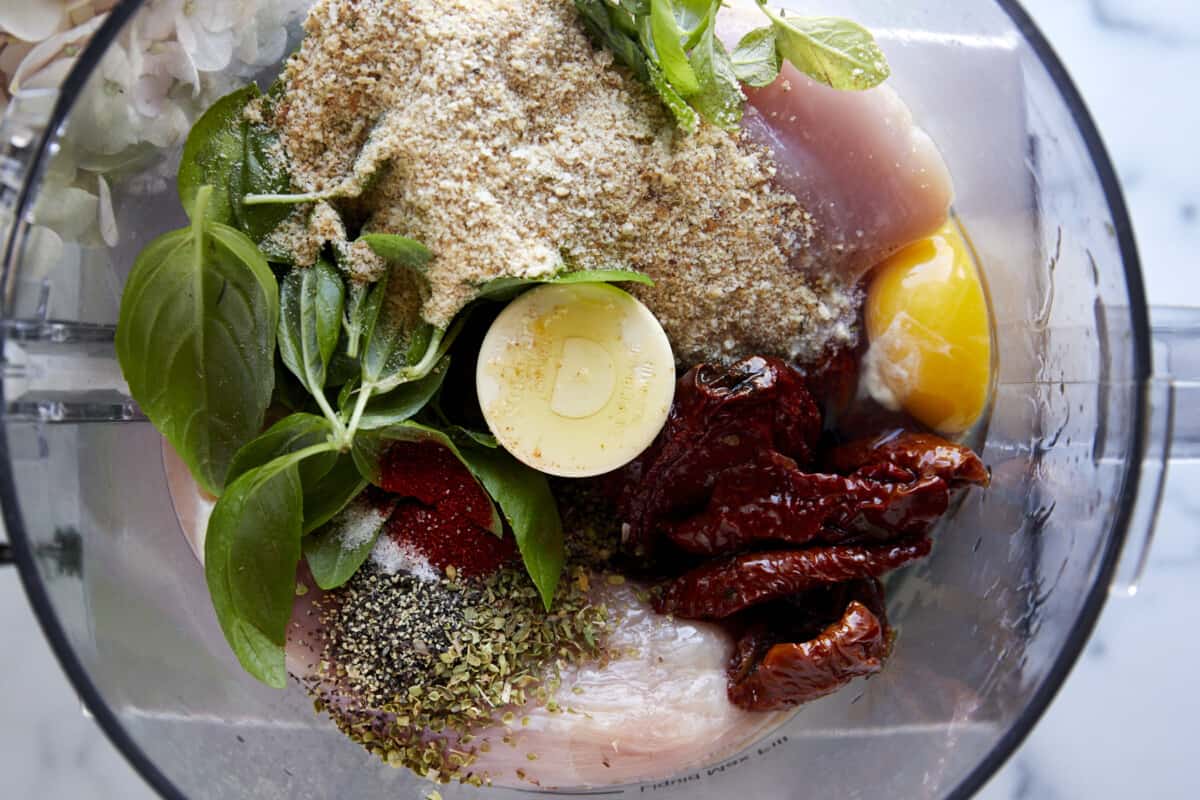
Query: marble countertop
[[1127, 720]]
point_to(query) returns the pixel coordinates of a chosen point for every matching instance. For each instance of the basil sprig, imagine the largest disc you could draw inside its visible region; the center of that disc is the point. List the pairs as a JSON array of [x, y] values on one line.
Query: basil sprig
[[671, 45], [196, 340]]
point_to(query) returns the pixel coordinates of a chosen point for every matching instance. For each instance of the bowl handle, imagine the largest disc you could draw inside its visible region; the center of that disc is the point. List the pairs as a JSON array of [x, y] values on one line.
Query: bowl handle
[[1173, 429]]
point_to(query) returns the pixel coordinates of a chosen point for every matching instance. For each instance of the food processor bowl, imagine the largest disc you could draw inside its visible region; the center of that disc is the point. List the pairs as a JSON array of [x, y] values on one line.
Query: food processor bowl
[[989, 625]]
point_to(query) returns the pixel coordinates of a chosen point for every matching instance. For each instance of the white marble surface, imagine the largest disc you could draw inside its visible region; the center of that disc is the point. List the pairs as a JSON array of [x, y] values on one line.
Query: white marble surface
[[1127, 722]]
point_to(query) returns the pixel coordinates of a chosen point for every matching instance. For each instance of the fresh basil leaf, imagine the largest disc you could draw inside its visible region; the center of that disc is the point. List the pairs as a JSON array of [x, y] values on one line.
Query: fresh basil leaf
[[196, 340], [330, 479], [525, 499], [335, 552], [288, 392], [391, 353], [292, 433], [405, 400], [720, 99], [626, 30], [756, 59], [349, 389], [399, 250], [668, 48], [633, 8], [251, 551], [310, 322], [694, 17], [325, 498], [685, 116], [342, 368], [503, 289], [834, 51], [383, 335], [355, 319], [616, 28], [213, 151], [369, 448], [467, 437], [261, 171], [419, 343]]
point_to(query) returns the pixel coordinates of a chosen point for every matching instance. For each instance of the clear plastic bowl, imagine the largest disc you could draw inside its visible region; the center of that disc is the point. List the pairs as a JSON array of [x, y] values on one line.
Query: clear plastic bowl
[[989, 625]]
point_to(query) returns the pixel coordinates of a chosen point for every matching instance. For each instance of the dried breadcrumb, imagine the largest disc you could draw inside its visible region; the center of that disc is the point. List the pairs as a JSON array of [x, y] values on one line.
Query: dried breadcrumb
[[494, 132]]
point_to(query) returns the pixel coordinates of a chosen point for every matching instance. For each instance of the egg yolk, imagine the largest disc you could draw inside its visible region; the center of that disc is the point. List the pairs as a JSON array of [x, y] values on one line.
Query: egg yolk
[[930, 344]]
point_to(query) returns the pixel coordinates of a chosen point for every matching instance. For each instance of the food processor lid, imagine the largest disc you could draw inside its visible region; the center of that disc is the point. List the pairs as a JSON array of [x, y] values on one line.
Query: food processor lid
[[21, 192]]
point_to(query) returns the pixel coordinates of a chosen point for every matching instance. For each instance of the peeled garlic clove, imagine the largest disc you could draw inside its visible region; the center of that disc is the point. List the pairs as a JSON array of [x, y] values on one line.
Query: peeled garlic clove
[[575, 380]]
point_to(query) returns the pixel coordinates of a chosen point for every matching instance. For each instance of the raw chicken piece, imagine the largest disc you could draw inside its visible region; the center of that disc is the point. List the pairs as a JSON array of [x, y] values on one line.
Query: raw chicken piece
[[658, 706], [872, 180]]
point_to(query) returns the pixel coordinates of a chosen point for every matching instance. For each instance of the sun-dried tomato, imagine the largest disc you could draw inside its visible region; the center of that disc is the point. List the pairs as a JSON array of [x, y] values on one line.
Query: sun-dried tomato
[[724, 587], [920, 454], [768, 677], [771, 499], [721, 417], [731, 471], [833, 379]]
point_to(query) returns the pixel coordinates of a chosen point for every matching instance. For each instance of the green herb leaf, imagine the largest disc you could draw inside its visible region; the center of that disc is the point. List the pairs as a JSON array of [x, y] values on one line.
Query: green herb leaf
[[392, 353], [196, 340], [330, 480], [330, 494], [336, 551], [616, 28], [251, 551], [289, 392], [293, 433], [756, 59], [834, 51], [720, 99], [385, 336], [525, 499], [310, 322], [669, 51], [467, 437], [625, 30], [404, 401], [695, 17], [226, 151], [370, 447], [342, 368], [355, 318], [503, 289], [213, 152], [685, 116], [262, 170], [399, 250]]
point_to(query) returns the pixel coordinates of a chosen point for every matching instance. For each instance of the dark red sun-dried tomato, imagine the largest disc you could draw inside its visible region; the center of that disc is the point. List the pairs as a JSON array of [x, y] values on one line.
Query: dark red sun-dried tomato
[[448, 517], [720, 418], [771, 499], [729, 472], [920, 454], [792, 673], [724, 587]]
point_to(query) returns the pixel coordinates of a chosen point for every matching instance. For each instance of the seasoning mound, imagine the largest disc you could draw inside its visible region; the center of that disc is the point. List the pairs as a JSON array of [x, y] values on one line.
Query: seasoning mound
[[424, 673], [496, 134]]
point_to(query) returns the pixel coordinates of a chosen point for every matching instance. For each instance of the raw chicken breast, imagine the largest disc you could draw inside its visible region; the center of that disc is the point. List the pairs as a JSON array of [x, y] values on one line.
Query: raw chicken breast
[[658, 707], [872, 180]]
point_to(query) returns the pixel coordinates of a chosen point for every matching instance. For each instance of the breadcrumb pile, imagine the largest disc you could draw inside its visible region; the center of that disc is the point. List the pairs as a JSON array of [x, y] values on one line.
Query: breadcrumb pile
[[497, 134]]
